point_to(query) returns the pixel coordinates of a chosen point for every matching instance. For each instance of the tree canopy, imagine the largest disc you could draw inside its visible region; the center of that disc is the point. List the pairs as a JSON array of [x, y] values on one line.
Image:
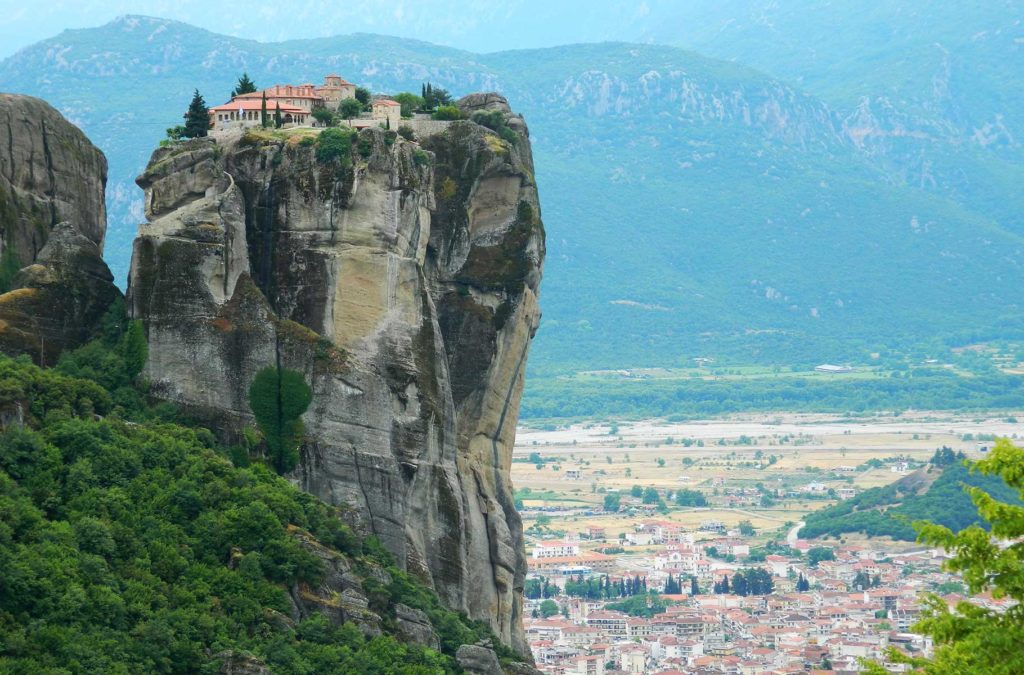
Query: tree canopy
[[278, 397], [132, 544], [244, 86], [970, 639]]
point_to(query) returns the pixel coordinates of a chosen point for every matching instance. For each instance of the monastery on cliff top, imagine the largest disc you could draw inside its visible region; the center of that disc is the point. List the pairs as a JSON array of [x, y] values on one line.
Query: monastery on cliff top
[[296, 104]]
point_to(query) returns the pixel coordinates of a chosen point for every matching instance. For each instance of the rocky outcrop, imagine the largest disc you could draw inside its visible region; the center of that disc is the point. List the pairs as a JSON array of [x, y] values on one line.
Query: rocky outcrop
[[401, 279], [55, 284]]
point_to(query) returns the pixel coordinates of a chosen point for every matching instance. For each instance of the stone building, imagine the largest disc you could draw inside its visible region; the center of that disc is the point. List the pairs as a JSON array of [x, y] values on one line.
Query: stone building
[[241, 113]]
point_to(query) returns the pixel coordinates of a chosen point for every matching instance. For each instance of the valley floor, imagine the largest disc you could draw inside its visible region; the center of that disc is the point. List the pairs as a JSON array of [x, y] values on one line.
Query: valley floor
[[706, 499]]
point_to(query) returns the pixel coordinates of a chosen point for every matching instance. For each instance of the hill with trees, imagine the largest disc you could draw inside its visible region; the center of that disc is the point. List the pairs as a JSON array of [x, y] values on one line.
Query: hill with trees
[[938, 493], [132, 541]]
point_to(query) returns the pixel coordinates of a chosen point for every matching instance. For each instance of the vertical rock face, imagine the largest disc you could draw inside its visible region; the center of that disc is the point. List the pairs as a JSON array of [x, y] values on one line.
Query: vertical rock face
[[401, 279], [55, 284], [49, 173]]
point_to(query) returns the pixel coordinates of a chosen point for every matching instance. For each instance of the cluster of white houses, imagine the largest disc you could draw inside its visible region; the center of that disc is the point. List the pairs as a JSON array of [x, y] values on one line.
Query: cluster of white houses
[[295, 104], [853, 607]]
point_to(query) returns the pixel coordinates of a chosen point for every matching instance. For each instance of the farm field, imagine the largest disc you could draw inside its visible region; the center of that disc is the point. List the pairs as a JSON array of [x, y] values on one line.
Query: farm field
[[769, 470]]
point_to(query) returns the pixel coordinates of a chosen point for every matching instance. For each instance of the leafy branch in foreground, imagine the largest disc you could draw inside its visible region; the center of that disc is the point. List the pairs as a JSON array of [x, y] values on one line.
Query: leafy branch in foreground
[[970, 638]]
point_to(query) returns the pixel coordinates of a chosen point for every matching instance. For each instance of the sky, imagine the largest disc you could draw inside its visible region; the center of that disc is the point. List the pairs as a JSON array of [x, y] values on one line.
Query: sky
[[474, 25]]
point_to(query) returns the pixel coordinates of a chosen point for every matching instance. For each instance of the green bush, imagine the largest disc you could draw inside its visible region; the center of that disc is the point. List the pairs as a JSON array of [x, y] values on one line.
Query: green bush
[[447, 112], [406, 132], [335, 145]]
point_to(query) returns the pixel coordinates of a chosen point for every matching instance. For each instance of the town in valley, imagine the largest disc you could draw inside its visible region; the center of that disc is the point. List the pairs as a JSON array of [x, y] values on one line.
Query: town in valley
[[667, 548]]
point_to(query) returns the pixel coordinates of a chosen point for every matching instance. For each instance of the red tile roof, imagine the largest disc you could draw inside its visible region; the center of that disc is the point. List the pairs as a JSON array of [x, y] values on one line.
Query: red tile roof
[[256, 104]]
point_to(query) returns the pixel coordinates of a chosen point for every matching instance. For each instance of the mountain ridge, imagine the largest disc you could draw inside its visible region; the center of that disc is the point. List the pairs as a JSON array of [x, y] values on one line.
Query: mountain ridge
[[652, 202]]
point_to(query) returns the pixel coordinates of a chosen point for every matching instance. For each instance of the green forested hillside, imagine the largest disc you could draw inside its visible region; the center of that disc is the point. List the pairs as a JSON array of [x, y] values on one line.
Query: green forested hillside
[[693, 207], [936, 494], [132, 544]]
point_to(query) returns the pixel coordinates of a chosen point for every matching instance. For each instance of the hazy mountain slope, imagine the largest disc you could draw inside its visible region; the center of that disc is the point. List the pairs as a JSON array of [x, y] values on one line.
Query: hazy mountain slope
[[931, 90], [693, 207]]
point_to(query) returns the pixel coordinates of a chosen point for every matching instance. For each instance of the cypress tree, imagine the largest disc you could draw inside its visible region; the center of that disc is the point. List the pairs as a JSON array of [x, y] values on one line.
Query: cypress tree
[[694, 589], [278, 120], [263, 111], [134, 349], [278, 397], [197, 119]]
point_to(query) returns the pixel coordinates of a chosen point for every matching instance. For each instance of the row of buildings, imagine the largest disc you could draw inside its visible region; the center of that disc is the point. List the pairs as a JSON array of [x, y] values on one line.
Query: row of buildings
[[295, 105], [818, 619]]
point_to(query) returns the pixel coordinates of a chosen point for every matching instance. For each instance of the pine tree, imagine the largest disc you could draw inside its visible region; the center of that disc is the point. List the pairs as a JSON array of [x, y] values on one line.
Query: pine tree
[[197, 119], [245, 86]]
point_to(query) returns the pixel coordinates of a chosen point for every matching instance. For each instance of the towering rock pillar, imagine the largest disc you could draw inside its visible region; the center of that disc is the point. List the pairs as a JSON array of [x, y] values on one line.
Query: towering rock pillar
[[400, 277], [55, 286]]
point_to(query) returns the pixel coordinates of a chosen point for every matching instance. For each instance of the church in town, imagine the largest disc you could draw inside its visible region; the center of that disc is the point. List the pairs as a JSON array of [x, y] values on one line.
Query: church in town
[[295, 104]]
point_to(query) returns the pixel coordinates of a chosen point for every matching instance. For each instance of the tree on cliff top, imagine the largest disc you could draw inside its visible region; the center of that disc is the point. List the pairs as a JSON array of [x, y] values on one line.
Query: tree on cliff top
[[349, 108], [244, 86], [969, 638], [197, 119], [278, 397]]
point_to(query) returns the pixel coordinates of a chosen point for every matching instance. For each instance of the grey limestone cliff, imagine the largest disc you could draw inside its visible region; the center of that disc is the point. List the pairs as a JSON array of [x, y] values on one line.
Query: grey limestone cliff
[[55, 286], [401, 278]]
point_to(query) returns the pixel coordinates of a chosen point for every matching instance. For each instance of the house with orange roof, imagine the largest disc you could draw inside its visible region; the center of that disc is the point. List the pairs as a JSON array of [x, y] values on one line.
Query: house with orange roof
[[241, 113]]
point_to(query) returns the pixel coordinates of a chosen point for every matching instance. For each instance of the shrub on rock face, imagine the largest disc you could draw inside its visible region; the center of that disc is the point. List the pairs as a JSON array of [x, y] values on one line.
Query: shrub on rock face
[[406, 132], [278, 397], [334, 145]]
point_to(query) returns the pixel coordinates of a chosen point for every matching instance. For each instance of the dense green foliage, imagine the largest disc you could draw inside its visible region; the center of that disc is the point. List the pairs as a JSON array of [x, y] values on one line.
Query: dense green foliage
[[645, 605], [335, 145], [753, 581], [278, 397], [447, 112], [969, 639], [601, 587], [434, 97], [688, 497], [137, 547], [929, 389], [818, 554], [892, 509]]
